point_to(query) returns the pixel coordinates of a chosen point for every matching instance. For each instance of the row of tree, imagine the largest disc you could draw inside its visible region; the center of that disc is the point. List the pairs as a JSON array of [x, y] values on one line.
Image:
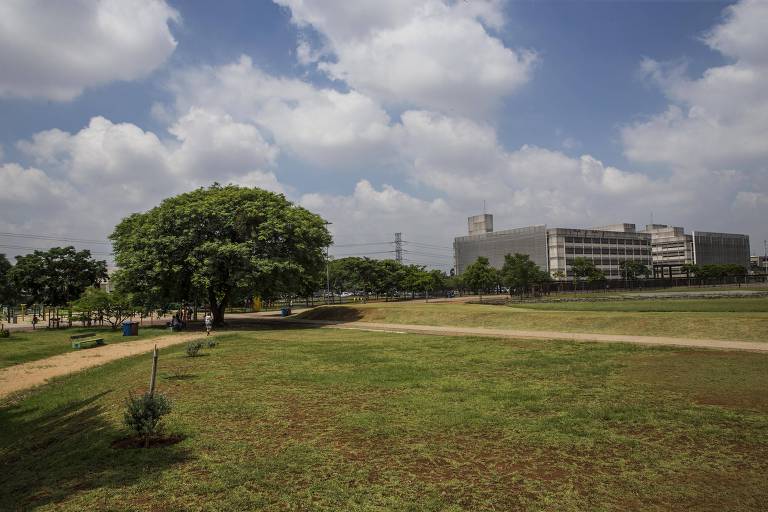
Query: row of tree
[[384, 278], [53, 277]]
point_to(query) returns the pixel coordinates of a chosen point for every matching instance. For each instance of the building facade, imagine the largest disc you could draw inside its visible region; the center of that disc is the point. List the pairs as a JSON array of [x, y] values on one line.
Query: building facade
[[495, 245], [664, 249], [671, 249], [720, 248], [605, 248]]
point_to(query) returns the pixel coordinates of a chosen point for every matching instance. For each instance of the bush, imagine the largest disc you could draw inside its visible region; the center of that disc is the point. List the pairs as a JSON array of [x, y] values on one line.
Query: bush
[[193, 348], [4, 333], [144, 413], [212, 343]]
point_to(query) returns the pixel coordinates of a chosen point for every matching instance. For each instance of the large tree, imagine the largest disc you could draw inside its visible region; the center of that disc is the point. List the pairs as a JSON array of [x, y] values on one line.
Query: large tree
[[479, 276], [222, 244], [56, 276], [631, 269], [7, 290], [521, 274]]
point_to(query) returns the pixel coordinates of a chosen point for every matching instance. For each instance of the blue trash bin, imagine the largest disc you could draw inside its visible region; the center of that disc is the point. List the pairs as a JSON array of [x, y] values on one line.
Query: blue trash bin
[[130, 328], [285, 311]]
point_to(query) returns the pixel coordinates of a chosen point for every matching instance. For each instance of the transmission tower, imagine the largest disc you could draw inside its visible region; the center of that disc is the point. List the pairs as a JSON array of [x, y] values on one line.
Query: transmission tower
[[399, 247]]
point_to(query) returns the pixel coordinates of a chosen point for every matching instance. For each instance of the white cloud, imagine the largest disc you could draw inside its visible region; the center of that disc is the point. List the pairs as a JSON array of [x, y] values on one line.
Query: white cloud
[[713, 133], [428, 54], [215, 145], [719, 120], [54, 50], [85, 182], [318, 125], [371, 215]]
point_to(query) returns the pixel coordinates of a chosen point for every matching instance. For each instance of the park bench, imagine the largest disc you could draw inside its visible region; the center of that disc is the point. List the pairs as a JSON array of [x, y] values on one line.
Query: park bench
[[86, 340]]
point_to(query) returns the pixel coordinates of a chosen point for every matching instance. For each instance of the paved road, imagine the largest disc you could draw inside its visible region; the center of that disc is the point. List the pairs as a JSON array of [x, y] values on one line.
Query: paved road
[[753, 346], [34, 373]]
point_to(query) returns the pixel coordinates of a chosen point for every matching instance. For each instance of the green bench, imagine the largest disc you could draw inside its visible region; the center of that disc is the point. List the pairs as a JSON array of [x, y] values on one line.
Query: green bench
[[85, 340]]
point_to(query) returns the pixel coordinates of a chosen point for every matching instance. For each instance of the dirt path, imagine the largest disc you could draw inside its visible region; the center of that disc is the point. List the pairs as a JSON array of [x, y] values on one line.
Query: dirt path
[[34, 373], [753, 346]]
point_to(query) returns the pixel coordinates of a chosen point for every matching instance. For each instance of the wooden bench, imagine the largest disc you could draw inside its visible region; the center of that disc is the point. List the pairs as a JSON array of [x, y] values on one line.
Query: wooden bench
[[85, 340]]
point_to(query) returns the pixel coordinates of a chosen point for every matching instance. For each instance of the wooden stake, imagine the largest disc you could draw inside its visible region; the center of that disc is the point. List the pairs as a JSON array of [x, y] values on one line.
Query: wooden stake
[[154, 373]]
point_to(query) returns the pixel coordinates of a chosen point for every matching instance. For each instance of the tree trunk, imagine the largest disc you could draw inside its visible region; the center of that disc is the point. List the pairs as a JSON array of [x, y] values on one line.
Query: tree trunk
[[217, 308]]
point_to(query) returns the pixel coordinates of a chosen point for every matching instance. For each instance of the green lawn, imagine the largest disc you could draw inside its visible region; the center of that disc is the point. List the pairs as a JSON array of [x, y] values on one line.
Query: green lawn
[[25, 346], [316, 419], [748, 326], [739, 305]]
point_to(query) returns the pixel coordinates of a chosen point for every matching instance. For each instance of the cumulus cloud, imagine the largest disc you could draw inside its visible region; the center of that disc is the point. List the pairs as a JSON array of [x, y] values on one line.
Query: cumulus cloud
[[318, 125], [54, 50], [720, 119], [83, 183], [712, 135], [367, 214], [427, 54]]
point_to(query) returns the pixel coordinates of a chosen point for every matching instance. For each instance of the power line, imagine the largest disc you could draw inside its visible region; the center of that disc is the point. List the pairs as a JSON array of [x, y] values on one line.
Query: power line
[[362, 253], [55, 238], [429, 246], [361, 244], [27, 248]]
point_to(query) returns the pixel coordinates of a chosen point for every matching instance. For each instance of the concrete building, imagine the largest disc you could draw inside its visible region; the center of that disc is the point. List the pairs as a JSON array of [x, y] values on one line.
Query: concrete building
[[495, 245], [720, 248], [480, 224], [606, 248], [554, 249], [672, 248], [665, 249]]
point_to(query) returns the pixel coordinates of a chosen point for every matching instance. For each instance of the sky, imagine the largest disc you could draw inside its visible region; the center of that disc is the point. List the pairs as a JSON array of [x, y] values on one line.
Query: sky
[[399, 116]]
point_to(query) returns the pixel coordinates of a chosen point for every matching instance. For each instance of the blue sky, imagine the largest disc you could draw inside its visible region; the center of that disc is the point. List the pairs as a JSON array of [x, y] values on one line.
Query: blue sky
[[399, 116]]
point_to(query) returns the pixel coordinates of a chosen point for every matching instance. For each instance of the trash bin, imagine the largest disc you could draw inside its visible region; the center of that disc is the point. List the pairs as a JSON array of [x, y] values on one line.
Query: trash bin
[[285, 311], [130, 328]]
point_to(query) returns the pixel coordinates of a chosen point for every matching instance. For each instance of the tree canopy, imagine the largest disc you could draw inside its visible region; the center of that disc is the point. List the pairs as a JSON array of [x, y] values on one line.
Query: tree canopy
[[586, 269], [479, 276], [631, 269], [521, 274], [7, 290], [56, 276], [382, 277], [219, 245]]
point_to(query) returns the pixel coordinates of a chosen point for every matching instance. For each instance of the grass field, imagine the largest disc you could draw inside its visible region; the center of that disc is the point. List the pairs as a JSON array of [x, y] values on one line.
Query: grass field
[[25, 346], [704, 318], [741, 305], [317, 419]]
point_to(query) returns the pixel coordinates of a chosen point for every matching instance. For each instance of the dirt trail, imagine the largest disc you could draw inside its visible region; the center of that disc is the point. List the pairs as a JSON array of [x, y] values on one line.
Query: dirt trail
[[753, 346], [34, 373]]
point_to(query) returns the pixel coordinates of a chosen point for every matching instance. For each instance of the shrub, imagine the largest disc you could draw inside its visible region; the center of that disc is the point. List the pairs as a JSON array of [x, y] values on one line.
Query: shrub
[[4, 333], [212, 343], [144, 413], [193, 348]]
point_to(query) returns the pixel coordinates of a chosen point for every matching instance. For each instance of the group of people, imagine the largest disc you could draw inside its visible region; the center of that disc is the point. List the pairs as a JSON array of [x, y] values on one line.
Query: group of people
[[179, 321]]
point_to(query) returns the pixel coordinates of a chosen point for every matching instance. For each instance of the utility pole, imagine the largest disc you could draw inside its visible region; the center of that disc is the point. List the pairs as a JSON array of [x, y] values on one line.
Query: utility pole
[[327, 269], [399, 247]]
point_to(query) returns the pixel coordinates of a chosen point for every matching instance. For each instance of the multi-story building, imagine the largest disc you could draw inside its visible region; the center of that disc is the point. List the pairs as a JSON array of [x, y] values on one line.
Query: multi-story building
[[554, 249], [605, 247], [720, 248], [531, 240], [672, 248], [665, 249]]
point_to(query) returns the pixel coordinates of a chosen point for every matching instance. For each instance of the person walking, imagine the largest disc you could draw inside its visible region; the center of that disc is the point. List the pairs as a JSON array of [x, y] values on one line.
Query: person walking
[[208, 324]]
